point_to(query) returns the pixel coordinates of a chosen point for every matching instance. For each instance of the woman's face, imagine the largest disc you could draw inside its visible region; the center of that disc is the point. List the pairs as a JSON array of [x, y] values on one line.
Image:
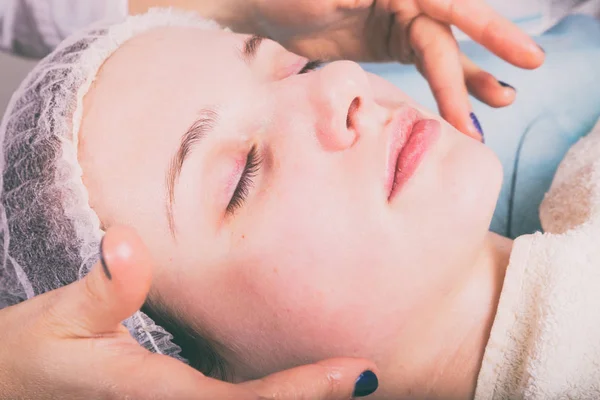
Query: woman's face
[[264, 194]]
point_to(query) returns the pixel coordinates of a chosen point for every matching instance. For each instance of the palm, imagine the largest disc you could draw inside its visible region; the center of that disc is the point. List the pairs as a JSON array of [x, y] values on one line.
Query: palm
[[328, 29]]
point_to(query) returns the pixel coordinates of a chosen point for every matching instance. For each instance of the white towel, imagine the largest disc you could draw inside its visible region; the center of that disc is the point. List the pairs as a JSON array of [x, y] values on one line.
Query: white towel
[[545, 341]]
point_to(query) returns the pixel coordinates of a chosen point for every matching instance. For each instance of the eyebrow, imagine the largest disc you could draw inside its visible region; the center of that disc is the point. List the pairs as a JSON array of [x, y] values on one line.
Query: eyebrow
[[251, 46], [205, 123]]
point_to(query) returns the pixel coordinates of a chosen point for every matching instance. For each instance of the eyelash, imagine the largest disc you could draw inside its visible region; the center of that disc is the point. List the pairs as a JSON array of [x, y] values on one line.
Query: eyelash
[[310, 66], [253, 163]]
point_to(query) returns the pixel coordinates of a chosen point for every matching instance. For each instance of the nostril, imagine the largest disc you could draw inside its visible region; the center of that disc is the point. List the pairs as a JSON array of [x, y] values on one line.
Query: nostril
[[350, 118]]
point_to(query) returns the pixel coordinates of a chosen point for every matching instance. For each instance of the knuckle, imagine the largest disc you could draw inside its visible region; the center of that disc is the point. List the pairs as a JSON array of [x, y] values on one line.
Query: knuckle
[[333, 383], [280, 391], [92, 290], [444, 92], [488, 32], [319, 382], [450, 7], [52, 316], [429, 36]]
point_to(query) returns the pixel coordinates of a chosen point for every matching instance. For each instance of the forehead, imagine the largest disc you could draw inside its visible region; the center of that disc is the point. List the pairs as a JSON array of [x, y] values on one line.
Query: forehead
[[146, 95], [160, 80], [173, 59]]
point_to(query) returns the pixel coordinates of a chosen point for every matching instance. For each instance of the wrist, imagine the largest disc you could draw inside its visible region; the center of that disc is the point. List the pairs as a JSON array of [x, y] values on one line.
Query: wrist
[[238, 15]]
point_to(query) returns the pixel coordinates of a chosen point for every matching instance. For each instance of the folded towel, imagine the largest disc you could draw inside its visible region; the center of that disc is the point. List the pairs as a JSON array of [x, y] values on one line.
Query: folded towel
[[574, 197], [545, 341]]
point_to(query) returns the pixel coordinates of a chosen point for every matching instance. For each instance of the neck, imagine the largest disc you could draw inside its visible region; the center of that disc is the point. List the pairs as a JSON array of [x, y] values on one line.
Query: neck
[[440, 357]]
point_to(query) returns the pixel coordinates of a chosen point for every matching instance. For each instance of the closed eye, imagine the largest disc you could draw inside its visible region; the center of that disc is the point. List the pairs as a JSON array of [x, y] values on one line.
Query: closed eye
[[310, 66], [253, 164]]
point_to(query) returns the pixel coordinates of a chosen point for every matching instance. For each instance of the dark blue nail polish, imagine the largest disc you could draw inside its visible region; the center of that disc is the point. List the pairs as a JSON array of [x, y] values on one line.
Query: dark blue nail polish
[[477, 126], [103, 262], [366, 384], [504, 84]]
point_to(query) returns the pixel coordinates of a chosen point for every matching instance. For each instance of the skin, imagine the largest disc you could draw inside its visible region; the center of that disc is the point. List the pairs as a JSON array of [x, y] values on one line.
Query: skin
[[407, 31], [49, 339], [317, 262]]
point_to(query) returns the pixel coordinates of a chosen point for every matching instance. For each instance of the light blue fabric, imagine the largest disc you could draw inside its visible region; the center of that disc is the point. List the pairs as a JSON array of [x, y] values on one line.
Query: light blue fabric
[[556, 105]]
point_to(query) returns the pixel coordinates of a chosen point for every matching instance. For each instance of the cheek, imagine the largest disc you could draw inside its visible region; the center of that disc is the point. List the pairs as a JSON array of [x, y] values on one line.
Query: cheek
[[476, 174], [301, 274], [458, 197], [298, 250], [457, 183], [296, 308], [387, 94]]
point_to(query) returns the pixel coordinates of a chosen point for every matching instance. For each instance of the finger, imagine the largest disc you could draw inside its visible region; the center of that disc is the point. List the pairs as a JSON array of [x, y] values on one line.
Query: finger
[[438, 59], [113, 290], [155, 376], [333, 379], [485, 87], [484, 25]]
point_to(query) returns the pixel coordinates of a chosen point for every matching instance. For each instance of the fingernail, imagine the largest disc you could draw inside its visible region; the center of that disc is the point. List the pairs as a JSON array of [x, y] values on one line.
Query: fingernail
[[504, 84], [542, 49], [366, 384], [477, 126], [103, 261]]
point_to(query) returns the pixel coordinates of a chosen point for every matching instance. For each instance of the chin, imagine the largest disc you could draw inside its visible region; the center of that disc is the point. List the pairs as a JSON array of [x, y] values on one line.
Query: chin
[[489, 173], [460, 189], [477, 171], [479, 195]]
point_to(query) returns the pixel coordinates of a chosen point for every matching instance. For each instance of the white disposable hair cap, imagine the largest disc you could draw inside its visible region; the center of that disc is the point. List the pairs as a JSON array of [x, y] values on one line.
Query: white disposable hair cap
[[49, 235]]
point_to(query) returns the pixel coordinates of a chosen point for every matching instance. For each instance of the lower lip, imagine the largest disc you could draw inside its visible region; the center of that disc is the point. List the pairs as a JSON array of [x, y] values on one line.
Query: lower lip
[[423, 135]]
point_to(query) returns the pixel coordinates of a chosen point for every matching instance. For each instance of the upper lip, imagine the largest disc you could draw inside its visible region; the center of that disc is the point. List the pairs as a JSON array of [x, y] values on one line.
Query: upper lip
[[398, 132]]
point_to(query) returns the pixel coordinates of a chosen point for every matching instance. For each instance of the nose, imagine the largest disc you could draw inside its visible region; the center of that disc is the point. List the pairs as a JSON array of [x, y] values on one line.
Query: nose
[[341, 95]]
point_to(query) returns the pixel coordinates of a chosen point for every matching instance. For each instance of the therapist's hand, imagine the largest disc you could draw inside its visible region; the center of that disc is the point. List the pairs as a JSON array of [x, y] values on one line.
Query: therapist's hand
[[408, 31], [69, 344]]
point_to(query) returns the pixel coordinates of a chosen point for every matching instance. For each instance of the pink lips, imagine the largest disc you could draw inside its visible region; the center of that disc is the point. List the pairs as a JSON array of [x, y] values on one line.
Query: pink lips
[[410, 136]]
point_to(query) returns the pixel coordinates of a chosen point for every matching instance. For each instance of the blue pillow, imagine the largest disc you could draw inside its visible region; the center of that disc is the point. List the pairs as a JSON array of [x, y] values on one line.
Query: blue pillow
[[556, 105]]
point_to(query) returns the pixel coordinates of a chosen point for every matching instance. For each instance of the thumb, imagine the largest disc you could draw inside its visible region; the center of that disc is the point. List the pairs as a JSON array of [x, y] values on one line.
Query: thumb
[[113, 290], [334, 379]]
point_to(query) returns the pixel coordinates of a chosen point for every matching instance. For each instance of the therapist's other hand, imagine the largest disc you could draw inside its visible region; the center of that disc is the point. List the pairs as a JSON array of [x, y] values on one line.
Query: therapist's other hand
[[69, 344], [408, 31]]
